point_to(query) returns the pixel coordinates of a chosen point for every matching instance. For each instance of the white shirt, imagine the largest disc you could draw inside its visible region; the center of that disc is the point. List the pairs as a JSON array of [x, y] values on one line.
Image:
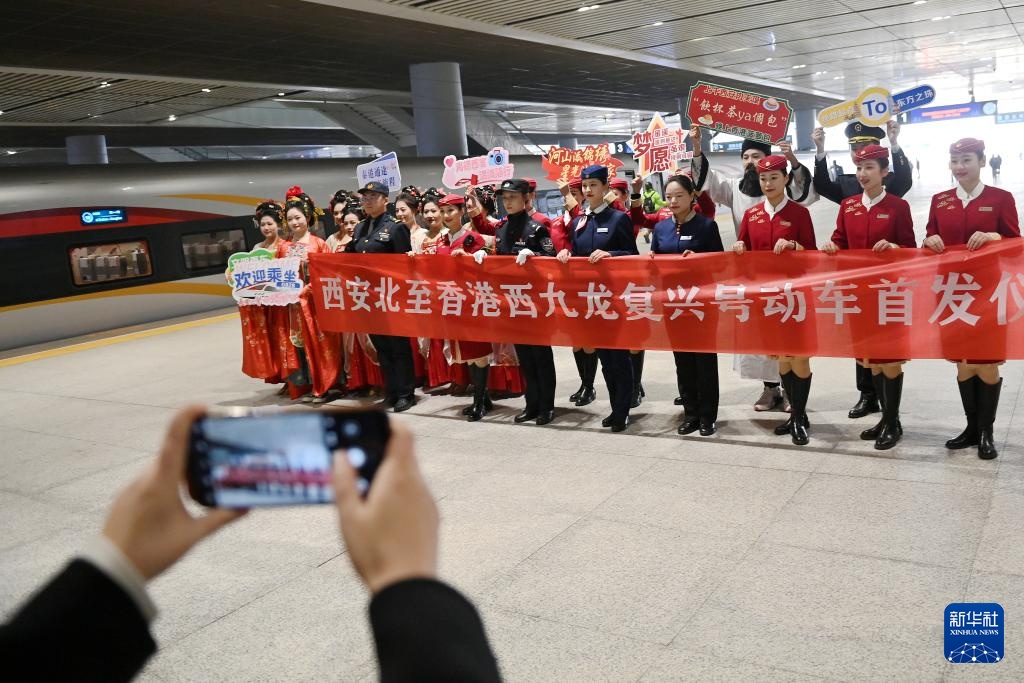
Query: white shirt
[[771, 211], [868, 202], [599, 209], [967, 197]]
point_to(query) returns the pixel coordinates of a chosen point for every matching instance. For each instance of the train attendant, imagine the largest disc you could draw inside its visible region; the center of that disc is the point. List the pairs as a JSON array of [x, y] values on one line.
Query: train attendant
[[780, 225], [600, 233], [433, 237], [322, 350], [464, 241], [973, 214], [572, 198], [346, 218], [876, 220], [480, 205], [523, 237], [688, 232], [739, 194], [531, 201], [378, 234]]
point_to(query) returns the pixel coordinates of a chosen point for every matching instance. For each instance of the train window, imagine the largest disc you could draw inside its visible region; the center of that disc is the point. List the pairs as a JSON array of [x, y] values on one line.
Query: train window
[[211, 249], [106, 262]]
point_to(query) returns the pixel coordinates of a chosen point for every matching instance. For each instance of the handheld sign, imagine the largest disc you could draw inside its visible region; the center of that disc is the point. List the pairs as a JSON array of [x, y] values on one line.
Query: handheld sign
[[659, 147], [921, 96], [490, 168], [383, 169], [739, 112], [873, 107], [259, 279], [564, 164]]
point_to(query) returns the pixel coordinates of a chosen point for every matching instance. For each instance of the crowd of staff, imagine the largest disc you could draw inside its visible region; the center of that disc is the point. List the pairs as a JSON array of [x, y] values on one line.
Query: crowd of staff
[[603, 218]]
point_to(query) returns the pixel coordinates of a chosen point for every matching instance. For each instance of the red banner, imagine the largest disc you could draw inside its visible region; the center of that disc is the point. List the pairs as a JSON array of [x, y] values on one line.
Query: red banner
[[565, 164], [903, 303], [738, 112]]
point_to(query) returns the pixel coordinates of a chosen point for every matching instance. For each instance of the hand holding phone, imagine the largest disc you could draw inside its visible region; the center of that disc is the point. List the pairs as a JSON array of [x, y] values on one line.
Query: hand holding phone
[[281, 457]]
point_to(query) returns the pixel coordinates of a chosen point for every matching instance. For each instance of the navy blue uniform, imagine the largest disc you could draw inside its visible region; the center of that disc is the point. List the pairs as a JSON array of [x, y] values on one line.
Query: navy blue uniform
[[696, 373], [517, 232], [382, 235], [611, 231]]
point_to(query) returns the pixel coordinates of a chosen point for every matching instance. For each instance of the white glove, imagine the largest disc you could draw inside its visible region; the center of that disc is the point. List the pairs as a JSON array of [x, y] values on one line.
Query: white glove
[[479, 256], [522, 256]]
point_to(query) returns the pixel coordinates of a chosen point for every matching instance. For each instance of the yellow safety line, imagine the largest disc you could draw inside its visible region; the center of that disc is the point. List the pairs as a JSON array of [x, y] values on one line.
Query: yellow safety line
[[131, 336], [205, 288]]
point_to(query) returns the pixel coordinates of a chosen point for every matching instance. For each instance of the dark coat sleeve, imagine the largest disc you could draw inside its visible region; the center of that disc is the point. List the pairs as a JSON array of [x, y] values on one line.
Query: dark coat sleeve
[[400, 238], [901, 179], [81, 626], [427, 631], [823, 184], [714, 240]]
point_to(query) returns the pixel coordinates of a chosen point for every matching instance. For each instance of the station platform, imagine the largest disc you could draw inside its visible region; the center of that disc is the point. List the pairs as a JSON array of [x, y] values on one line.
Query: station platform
[[642, 556]]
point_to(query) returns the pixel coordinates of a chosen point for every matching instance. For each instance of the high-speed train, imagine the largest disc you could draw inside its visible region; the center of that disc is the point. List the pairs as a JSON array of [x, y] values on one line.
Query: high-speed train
[[91, 248]]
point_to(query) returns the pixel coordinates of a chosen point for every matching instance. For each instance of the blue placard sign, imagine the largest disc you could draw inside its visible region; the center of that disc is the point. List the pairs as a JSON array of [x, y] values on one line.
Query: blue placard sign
[[921, 96], [101, 216]]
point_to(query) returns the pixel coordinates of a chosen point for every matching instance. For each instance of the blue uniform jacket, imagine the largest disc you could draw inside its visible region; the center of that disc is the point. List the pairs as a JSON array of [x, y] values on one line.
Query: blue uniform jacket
[[608, 230], [699, 234]]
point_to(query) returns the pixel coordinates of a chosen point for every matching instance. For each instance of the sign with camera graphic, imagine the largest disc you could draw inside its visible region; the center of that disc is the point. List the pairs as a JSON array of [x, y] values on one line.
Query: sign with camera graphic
[[488, 169]]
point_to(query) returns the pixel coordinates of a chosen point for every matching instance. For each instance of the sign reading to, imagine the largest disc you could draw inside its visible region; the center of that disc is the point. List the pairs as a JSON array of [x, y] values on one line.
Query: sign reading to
[[659, 147], [101, 216], [873, 107], [488, 169], [738, 112], [259, 279], [383, 169], [565, 164], [953, 111]]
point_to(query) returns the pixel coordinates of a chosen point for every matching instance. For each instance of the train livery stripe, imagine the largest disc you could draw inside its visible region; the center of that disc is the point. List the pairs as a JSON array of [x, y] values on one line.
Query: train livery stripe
[[251, 202], [68, 219], [131, 336], [201, 288]]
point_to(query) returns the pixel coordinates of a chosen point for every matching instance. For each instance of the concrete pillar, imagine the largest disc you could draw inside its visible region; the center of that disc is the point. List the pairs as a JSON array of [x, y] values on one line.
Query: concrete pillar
[[567, 142], [437, 109], [684, 123], [806, 122], [86, 149]]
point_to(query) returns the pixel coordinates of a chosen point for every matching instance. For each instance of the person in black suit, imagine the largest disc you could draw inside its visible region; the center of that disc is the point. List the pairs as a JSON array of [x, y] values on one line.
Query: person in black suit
[[521, 236], [91, 621], [599, 233], [379, 234], [688, 232]]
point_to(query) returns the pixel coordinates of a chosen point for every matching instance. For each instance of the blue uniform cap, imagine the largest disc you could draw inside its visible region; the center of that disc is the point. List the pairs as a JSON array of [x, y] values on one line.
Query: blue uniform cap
[[595, 172]]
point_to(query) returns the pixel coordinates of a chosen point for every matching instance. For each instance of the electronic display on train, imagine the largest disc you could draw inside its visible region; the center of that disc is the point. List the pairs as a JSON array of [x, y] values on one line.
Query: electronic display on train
[[101, 216]]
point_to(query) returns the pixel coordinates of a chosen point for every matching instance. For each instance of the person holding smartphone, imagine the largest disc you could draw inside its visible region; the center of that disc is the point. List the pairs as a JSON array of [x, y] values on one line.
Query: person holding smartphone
[[96, 611]]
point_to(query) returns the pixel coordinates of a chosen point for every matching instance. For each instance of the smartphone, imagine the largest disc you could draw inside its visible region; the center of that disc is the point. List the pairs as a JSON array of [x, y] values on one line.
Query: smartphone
[[284, 457]]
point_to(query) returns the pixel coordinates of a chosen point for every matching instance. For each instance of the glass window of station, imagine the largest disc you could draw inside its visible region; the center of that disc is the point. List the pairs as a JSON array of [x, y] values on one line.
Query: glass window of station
[[210, 249], [97, 263]]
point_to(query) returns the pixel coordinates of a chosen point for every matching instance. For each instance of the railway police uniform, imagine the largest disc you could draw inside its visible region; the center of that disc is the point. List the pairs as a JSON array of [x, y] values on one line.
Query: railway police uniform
[[516, 233], [696, 373], [382, 235], [606, 229]]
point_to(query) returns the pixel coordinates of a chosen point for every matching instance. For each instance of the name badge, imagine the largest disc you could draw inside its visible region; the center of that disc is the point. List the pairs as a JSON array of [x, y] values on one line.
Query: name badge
[[686, 237], [786, 224], [883, 215], [602, 229], [985, 208]]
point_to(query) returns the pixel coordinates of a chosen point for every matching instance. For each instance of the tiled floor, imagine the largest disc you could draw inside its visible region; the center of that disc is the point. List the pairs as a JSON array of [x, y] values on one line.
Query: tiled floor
[[592, 556]]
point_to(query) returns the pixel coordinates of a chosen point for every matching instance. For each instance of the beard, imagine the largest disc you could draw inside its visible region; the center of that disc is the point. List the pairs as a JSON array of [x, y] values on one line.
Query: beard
[[750, 185]]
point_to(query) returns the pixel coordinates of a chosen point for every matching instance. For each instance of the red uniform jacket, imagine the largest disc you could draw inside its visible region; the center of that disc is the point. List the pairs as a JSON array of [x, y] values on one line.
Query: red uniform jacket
[[485, 224], [991, 211], [861, 228], [469, 241], [793, 222], [542, 219]]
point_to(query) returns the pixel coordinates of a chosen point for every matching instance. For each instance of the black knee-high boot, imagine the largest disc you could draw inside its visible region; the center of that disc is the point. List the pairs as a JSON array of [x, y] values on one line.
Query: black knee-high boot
[[871, 433], [787, 386], [969, 398], [892, 430], [988, 401], [800, 425], [479, 407], [637, 360], [580, 358], [589, 394]]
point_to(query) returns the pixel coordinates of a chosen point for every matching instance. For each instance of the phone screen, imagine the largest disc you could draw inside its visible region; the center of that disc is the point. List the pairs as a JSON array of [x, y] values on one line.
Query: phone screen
[[281, 458]]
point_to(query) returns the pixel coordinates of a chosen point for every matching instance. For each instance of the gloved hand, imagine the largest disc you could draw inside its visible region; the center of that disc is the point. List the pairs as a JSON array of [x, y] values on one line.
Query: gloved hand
[[479, 256], [522, 256]]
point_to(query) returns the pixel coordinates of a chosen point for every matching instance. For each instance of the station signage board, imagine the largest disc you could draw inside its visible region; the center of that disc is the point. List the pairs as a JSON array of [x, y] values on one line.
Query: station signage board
[[952, 112], [1010, 117], [103, 216]]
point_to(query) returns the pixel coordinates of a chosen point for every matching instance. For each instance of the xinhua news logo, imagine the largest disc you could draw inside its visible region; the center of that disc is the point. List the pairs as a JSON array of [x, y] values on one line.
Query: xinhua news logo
[[974, 633]]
